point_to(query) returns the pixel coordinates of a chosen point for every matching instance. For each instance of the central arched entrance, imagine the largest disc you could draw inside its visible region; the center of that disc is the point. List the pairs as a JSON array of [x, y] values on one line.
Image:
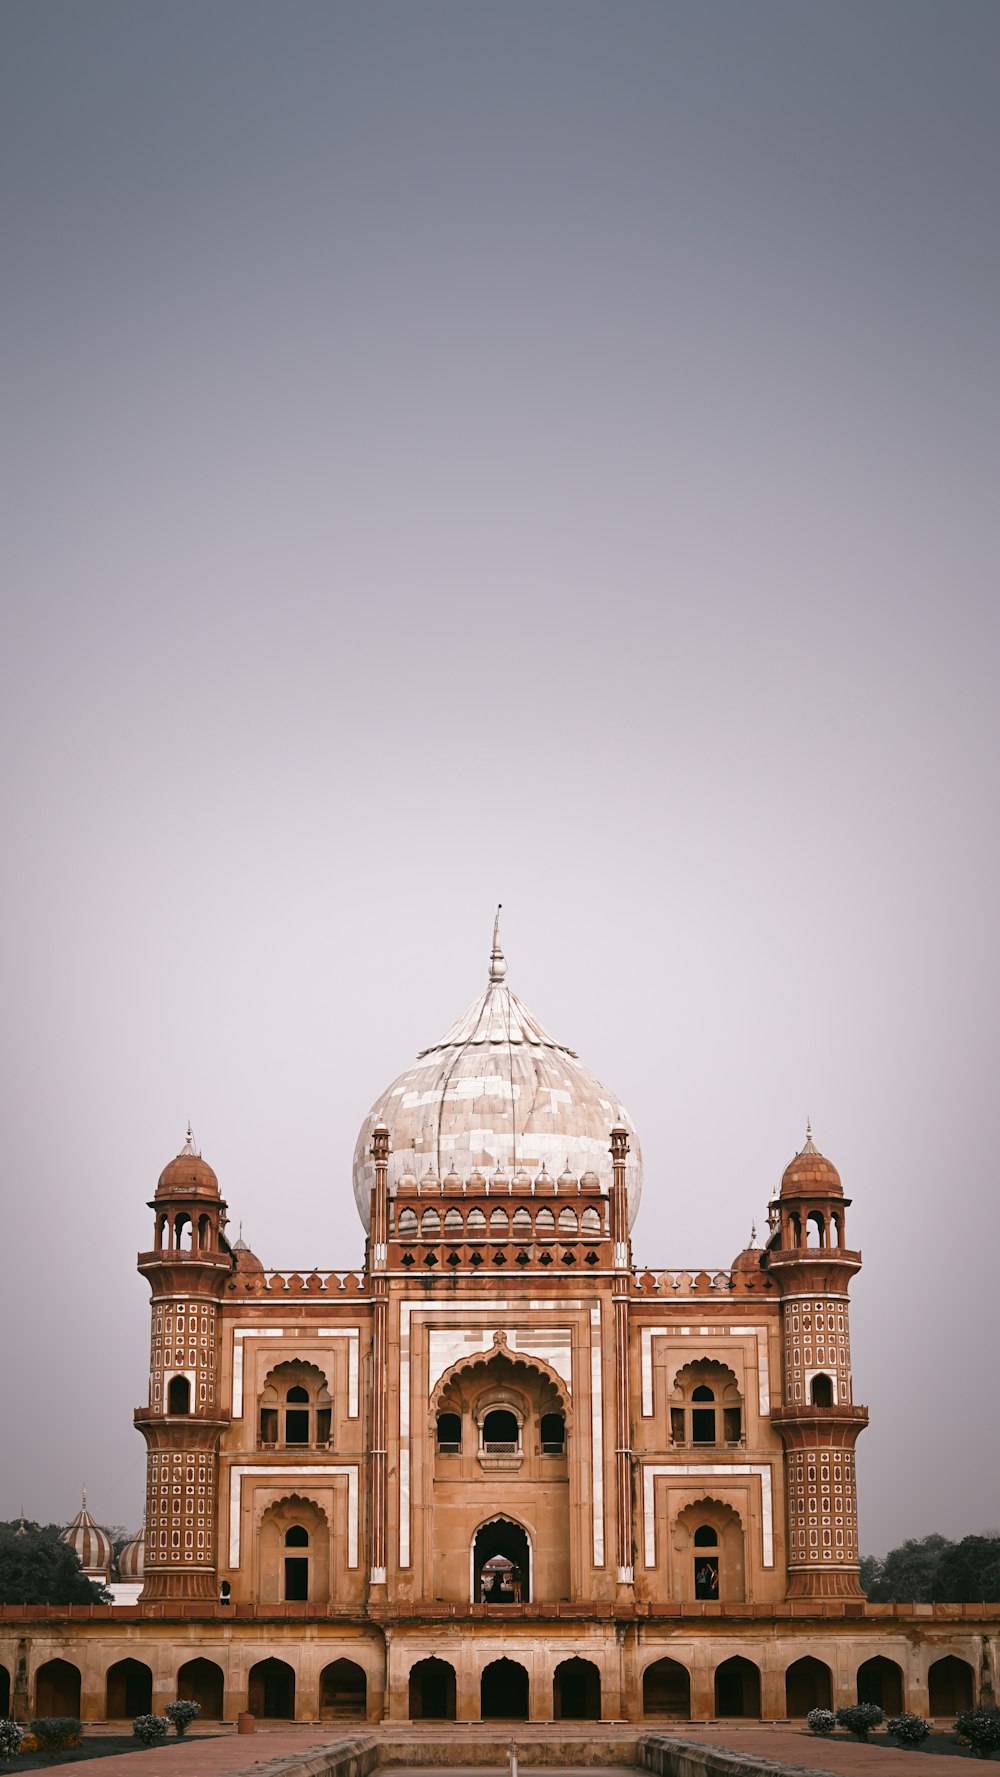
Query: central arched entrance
[[432, 1690], [576, 1691], [129, 1690], [503, 1692], [271, 1690], [502, 1548], [201, 1681]]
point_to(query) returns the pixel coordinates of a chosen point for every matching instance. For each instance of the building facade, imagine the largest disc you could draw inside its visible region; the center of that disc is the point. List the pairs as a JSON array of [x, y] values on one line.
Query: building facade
[[504, 1471]]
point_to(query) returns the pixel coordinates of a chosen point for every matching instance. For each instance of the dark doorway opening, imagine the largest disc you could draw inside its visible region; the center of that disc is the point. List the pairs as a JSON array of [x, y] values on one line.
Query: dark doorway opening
[[737, 1688], [4, 1692], [576, 1691], [666, 1690], [881, 1681], [57, 1689], [502, 1537], [296, 1578], [503, 1692], [201, 1681], [129, 1690], [949, 1686], [432, 1691], [343, 1691], [271, 1691], [808, 1685], [822, 1390], [179, 1395]]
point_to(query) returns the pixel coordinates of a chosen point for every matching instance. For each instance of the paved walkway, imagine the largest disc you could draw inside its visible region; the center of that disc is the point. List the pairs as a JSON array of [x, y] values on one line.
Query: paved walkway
[[215, 1755], [846, 1758]]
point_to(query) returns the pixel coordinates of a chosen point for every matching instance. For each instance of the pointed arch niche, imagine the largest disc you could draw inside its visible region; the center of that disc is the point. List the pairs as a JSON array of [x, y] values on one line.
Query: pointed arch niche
[[708, 1553], [293, 1552]]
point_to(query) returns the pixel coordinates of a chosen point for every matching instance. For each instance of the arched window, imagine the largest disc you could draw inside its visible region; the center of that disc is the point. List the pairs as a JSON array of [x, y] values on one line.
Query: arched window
[[476, 1221], [567, 1220], [449, 1434], [553, 1434], [295, 1407], [706, 1561], [430, 1222], [545, 1221], [183, 1233], [499, 1222], [204, 1233], [179, 1395], [815, 1229], [822, 1390], [501, 1433], [453, 1222], [706, 1405], [406, 1225], [522, 1222], [590, 1221]]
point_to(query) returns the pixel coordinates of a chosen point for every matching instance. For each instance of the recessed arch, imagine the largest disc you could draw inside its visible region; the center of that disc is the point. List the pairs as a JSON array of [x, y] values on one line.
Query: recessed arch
[[808, 1685], [57, 1688], [576, 1690], [501, 1535], [666, 1690], [4, 1692], [271, 1690], [880, 1681], [128, 1690], [503, 1691], [950, 1686], [343, 1691], [737, 1688], [432, 1690], [202, 1681], [518, 1361]]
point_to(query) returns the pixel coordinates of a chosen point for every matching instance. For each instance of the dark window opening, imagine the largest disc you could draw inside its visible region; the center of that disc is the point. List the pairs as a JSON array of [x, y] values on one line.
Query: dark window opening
[[703, 1425], [677, 1425], [705, 1537], [298, 1394], [323, 1425], [179, 1395], [822, 1391], [501, 1433], [269, 1425], [733, 1419], [706, 1576], [449, 1434], [297, 1537], [553, 1430], [296, 1578], [297, 1425]]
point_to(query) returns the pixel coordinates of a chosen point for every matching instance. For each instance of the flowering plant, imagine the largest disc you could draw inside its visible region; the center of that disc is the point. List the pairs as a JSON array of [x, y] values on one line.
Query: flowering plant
[[860, 1718], [981, 1727], [10, 1740], [908, 1729], [150, 1729], [821, 1721], [182, 1714]]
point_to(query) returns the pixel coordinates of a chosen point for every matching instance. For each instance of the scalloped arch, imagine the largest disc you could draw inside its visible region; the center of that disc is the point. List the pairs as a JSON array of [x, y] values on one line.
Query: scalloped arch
[[518, 1360]]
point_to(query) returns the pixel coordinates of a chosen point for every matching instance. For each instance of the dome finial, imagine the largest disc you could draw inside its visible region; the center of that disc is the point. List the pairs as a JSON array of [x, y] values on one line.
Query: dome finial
[[189, 1146], [498, 965], [810, 1147]]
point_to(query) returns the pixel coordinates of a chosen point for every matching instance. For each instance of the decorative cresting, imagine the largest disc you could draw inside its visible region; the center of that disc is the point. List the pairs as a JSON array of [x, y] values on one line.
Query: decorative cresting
[[497, 1091], [481, 1360], [819, 1424], [187, 1270]]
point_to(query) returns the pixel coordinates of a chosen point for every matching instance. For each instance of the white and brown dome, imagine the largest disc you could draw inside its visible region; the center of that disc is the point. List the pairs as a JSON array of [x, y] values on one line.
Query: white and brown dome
[[496, 1090], [92, 1544], [132, 1558]]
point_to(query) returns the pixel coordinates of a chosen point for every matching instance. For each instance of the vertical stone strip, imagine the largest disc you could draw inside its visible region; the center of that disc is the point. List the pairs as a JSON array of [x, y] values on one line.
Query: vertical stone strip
[[620, 1294], [380, 1306]]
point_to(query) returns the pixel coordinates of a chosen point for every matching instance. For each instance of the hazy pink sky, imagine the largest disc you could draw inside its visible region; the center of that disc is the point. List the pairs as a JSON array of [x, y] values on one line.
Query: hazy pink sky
[[542, 453]]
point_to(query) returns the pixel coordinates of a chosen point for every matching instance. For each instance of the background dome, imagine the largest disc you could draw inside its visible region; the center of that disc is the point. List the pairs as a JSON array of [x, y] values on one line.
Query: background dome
[[496, 1088], [132, 1559], [92, 1544]]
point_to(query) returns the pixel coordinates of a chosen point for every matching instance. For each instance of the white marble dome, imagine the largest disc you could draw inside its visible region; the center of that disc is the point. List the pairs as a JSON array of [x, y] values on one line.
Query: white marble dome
[[496, 1092]]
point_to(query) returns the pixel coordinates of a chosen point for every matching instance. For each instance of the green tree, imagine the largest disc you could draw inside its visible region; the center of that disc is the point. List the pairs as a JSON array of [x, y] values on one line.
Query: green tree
[[36, 1568], [907, 1573], [968, 1572]]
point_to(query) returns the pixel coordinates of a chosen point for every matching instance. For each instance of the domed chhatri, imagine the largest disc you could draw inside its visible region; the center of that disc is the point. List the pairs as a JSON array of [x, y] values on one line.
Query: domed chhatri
[[810, 1173], [92, 1544], [496, 1089], [132, 1559], [188, 1175]]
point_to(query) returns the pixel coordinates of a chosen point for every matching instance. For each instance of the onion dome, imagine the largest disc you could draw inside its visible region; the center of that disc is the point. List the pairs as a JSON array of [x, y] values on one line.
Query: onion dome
[[749, 1259], [810, 1174], [496, 1092], [188, 1175], [92, 1544], [132, 1558]]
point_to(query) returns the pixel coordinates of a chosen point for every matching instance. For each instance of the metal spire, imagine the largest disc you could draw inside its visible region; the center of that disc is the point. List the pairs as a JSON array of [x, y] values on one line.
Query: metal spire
[[498, 964], [810, 1145]]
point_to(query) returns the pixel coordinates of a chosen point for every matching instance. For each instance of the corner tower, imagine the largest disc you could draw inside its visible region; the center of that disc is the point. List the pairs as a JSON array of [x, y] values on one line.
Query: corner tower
[[183, 1422], [810, 1262]]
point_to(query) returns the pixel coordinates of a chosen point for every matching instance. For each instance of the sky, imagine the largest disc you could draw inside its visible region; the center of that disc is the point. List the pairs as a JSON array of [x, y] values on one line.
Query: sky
[[542, 454]]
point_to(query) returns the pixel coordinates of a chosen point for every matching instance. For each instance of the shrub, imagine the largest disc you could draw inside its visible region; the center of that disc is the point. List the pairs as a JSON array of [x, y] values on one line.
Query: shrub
[[182, 1714], [908, 1729], [10, 1740], [55, 1732], [821, 1721], [860, 1718], [29, 1743], [981, 1727], [151, 1729]]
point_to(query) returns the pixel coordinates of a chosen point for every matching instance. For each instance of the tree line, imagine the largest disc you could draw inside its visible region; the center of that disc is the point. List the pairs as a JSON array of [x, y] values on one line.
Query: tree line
[[934, 1570]]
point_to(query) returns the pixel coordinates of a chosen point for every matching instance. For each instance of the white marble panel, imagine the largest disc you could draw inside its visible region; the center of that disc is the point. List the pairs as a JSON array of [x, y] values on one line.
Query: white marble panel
[[296, 1472]]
